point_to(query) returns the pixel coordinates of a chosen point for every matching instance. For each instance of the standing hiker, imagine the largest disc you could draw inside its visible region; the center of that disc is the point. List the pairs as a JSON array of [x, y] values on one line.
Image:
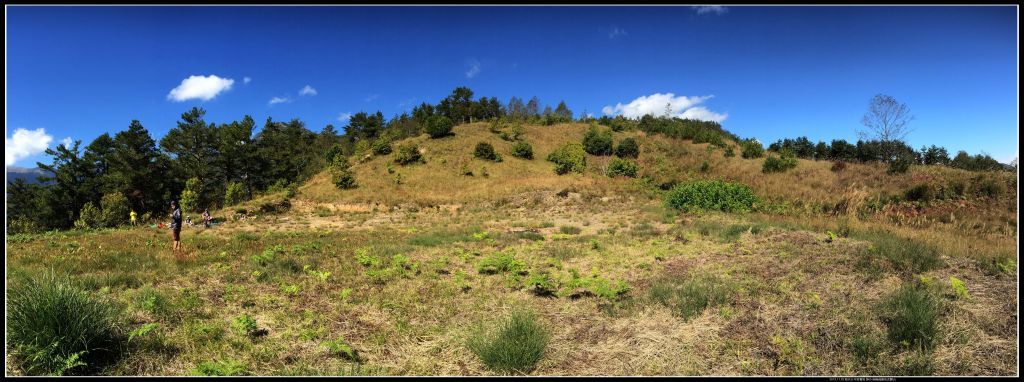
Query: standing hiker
[[207, 218], [132, 216], [176, 226]]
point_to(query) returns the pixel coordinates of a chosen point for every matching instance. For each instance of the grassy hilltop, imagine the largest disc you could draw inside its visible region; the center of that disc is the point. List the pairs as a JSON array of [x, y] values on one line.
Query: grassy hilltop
[[422, 269]]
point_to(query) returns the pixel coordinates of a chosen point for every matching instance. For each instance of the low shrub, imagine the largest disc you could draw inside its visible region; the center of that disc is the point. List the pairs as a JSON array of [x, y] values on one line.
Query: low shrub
[[514, 347], [522, 150], [89, 217], [341, 173], [115, 209], [570, 157], [988, 186], [905, 256], [438, 126], [501, 262], [381, 146], [486, 151], [901, 164], [622, 167], [778, 163], [408, 154], [923, 192], [55, 328], [597, 141], [712, 195], [751, 149], [627, 148]]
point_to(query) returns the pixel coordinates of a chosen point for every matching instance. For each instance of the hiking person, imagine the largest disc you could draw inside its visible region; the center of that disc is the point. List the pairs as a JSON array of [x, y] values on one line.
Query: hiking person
[[176, 226], [132, 217], [207, 218]]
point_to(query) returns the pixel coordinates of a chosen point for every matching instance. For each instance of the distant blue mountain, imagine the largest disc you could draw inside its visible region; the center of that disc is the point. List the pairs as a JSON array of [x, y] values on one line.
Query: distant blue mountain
[[27, 174]]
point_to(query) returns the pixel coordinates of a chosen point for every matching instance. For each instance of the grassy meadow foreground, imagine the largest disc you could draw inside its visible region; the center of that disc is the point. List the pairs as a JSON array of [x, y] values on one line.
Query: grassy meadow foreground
[[418, 269]]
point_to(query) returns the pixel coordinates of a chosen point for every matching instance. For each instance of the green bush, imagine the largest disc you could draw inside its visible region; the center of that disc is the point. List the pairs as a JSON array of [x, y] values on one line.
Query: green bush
[[341, 173], [598, 141], [114, 209], [89, 217], [514, 348], [901, 164], [55, 328], [751, 149], [381, 146], [438, 126], [923, 192], [408, 154], [234, 193], [627, 149], [622, 167], [522, 150], [190, 196], [780, 163], [486, 151], [711, 195], [911, 315], [569, 157], [988, 186]]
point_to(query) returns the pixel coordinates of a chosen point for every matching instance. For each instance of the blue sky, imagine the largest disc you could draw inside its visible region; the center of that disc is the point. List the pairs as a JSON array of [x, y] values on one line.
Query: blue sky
[[764, 72]]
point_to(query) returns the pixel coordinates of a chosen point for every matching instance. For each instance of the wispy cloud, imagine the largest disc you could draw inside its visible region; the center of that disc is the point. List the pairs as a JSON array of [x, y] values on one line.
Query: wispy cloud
[[308, 90], [344, 117], [25, 143], [655, 104], [200, 87], [616, 32], [277, 100], [474, 69], [67, 142], [707, 9], [372, 97], [246, 80]]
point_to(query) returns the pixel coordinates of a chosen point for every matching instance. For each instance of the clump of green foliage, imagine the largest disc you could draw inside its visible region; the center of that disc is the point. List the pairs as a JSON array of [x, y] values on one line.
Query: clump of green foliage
[[627, 148], [923, 192], [751, 149], [341, 173], [711, 195], [598, 141], [56, 328], [381, 146], [785, 161], [408, 154], [115, 209], [501, 262], [438, 126], [514, 347], [522, 150], [486, 151], [911, 314], [622, 167], [569, 157]]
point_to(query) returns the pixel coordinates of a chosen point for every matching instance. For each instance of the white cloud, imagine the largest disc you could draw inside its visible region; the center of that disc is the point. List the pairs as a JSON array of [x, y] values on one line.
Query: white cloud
[[654, 104], [716, 9], [25, 143], [308, 90], [343, 117], [200, 87], [246, 80], [277, 100], [67, 142], [474, 69], [616, 32], [373, 97]]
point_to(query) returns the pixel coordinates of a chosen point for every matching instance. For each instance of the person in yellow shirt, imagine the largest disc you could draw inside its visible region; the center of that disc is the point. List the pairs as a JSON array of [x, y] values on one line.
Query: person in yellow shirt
[[134, 215]]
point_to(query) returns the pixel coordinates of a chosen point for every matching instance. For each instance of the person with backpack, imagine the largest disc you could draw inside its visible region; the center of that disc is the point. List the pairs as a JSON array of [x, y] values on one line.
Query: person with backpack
[[176, 226]]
